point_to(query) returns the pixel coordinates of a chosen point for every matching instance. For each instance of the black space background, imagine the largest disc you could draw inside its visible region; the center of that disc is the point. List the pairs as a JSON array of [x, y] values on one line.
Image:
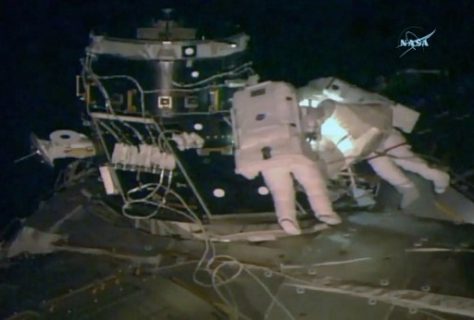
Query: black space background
[[295, 41]]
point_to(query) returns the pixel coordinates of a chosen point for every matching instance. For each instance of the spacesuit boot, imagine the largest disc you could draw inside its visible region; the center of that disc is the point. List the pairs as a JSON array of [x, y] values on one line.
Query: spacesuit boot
[[440, 179], [386, 168], [323, 209], [441, 183], [314, 184], [280, 184], [287, 219], [408, 160], [409, 193]]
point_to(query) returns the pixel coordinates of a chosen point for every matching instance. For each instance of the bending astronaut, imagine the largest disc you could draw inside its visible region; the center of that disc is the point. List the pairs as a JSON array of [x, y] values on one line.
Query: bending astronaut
[[269, 140], [357, 125]]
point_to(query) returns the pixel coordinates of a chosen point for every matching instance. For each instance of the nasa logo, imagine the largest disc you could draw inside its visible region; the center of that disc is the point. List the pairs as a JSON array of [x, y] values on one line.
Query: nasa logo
[[410, 40]]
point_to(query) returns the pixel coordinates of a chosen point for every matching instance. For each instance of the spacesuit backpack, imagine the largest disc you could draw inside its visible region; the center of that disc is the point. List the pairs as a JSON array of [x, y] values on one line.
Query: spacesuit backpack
[[267, 125]]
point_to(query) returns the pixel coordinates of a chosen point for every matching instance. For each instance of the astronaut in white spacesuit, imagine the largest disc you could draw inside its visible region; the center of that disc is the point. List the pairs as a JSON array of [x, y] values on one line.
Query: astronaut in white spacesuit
[[358, 125], [269, 140], [270, 130], [394, 153]]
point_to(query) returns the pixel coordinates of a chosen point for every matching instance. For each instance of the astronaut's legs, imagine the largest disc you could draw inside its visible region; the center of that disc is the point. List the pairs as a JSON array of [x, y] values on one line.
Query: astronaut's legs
[[314, 185], [399, 154], [385, 168], [406, 159], [280, 184]]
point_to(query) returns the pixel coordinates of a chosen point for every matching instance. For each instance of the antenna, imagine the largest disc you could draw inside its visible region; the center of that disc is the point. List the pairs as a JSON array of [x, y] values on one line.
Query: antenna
[[30, 155], [167, 13], [167, 17]]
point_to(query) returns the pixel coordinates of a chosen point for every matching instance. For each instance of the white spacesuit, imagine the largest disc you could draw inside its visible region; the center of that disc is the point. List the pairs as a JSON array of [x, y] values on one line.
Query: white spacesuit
[[269, 140], [361, 126], [394, 152]]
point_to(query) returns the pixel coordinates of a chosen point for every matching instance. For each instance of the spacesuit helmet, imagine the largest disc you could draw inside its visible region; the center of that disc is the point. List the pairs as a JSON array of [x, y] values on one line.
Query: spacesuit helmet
[[313, 93]]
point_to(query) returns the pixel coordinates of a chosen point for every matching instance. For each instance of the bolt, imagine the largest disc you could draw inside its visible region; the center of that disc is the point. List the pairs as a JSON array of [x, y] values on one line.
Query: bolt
[[312, 271], [384, 282], [417, 244]]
